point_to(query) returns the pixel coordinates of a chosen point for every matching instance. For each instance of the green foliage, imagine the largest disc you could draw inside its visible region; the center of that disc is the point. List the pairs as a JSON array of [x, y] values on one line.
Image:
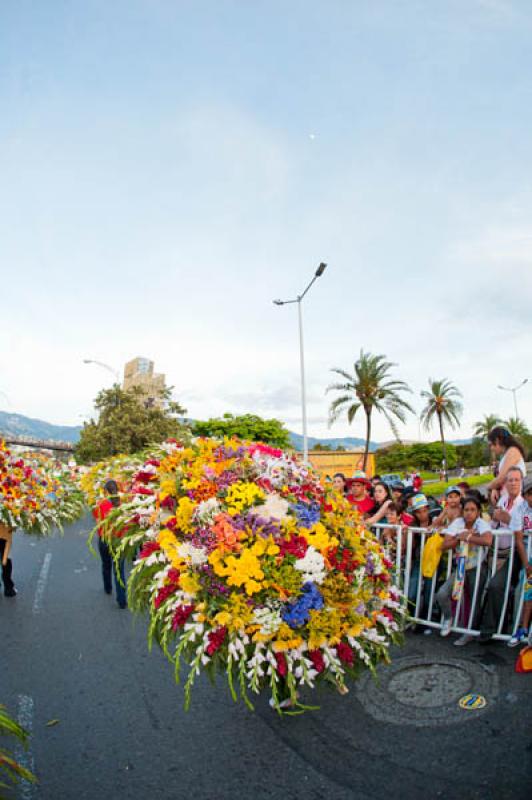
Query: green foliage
[[10, 769], [247, 426], [419, 456], [369, 388], [476, 454], [438, 488], [517, 427], [127, 423], [485, 425]]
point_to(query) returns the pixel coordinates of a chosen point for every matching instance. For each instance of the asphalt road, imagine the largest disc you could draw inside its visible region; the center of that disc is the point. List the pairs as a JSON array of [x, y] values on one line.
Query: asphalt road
[[70, 655]]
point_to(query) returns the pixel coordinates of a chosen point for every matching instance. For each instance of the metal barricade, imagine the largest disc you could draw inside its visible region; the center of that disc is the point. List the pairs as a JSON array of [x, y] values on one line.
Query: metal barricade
[[421, 591]]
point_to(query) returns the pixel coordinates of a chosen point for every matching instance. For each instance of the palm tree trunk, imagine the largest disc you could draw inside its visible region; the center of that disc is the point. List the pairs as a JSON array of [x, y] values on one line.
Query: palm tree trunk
[[368, 436], [443, 445]]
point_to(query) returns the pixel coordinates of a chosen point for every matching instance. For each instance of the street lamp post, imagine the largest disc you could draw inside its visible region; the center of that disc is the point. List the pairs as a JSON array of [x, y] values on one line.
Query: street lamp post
[[298, 299], [104, 366], [514, 392]]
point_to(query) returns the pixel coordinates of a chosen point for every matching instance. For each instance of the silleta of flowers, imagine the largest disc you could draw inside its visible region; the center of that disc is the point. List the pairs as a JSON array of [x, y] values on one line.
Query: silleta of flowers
[[36, 493], [248, 568]]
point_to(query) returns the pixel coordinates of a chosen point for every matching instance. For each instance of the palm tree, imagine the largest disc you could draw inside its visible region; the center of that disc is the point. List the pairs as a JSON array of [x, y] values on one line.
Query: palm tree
[[442, 404], [516, 426], [484, 426], [371, 388]]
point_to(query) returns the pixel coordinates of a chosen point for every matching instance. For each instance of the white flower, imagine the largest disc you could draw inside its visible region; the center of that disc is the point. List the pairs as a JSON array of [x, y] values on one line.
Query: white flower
[[268, 619], [207, 511], [312, 566], [194, 555], [274, 507]]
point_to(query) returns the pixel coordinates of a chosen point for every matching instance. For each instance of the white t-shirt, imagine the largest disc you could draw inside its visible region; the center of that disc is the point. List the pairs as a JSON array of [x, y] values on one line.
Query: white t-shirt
[[474, 552], [522, 518], [505, 539]]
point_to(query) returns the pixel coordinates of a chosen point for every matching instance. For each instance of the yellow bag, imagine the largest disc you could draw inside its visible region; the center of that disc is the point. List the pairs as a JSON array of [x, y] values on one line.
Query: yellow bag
[[431, 555]]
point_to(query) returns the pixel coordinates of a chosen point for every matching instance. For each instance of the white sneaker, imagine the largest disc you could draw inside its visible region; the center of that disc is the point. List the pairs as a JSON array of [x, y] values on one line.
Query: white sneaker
[[427, 632], [447, 624], [464, 639], [518, 638]]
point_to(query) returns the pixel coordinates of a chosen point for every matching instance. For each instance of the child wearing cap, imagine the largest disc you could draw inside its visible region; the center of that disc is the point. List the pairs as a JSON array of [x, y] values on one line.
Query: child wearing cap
[[452, 509]]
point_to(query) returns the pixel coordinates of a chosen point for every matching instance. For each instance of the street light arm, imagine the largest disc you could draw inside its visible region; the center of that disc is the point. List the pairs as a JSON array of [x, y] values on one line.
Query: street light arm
[[104, 366]]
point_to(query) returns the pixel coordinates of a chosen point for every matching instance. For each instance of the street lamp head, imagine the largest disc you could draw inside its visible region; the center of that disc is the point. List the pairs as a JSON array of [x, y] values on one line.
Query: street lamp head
[[87, 361], [278, 302], [321, 269]]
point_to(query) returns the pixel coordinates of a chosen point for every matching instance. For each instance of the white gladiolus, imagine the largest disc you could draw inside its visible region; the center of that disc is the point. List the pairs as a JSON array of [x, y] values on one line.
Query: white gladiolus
[[312, 566]]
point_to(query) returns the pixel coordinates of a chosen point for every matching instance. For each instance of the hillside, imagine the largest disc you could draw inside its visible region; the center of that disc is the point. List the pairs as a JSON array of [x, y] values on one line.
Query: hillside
[[19, 425]]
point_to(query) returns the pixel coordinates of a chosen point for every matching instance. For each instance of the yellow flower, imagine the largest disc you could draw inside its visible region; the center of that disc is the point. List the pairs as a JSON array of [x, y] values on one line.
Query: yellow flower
[[241, 496], [184, 511], [286, 639], [318, 537], [242, 570], [189, 583], [169, 545]]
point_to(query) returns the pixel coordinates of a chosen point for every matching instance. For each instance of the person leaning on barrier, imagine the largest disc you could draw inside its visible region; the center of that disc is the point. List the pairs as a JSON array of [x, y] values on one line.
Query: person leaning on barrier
[[465, 537], [498, 560], [521, 524]]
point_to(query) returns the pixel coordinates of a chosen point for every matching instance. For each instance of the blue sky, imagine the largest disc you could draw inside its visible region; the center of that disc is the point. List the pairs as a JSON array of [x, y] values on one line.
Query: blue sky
[[168, 168]]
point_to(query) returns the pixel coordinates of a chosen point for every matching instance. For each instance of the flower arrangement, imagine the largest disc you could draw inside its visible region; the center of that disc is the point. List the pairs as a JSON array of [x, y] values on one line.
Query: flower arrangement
[[247, 567], [36, 494]]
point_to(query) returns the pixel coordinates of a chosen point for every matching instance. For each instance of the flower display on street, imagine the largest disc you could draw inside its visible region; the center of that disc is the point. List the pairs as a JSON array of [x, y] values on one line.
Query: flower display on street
[[247, 567], [37, 493]]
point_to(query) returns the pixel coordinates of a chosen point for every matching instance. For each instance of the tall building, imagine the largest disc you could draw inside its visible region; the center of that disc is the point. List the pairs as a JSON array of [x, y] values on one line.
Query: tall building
[[139, 372]]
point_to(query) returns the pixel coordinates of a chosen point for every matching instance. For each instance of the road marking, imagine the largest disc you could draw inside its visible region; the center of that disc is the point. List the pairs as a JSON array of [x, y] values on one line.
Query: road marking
[[41, 583], [25, 754]]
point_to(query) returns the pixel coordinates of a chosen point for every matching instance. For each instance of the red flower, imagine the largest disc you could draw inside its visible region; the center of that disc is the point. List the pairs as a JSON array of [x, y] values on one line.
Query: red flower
[[296, 546], [182, 613], [317, 660], [216, 640], [345, 654], [154, 462], [148, 549], [168, 502], [164, 593], [142, 490], [282, 664]]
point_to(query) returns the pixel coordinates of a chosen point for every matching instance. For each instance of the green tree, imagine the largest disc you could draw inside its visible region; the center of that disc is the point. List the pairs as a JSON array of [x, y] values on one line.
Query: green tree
[[485, 425], [418, 456], [517, 427], [246, 426], [442, 404], [127, 422], [369, 388]]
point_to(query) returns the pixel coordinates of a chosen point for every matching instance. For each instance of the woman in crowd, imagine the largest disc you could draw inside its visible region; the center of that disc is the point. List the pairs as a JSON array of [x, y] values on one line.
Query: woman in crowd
[[465, 538], [382, 498], [510, 453], [102, 510], [338, 483]]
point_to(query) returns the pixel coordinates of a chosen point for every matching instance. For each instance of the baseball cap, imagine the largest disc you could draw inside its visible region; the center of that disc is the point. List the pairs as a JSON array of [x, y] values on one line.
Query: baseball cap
[[451, 489]]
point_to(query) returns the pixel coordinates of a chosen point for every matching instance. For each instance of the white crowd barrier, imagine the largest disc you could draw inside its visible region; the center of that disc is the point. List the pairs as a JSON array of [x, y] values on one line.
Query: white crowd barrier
[[406, 547]]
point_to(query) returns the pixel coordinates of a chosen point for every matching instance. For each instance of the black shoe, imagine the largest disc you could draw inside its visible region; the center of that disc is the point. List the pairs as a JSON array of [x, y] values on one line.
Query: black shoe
[[107, 591], [485, 638], [122, 605], [10, 592]]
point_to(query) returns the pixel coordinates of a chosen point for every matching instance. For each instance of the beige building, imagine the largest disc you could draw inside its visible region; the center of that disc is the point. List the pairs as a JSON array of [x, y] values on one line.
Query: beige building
[[139, 372]]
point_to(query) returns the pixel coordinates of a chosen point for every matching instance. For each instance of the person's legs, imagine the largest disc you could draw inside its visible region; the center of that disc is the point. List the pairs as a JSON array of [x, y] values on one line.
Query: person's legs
[[7, 570], [443, 597], [120, 587], [491, 611], [107, 565]]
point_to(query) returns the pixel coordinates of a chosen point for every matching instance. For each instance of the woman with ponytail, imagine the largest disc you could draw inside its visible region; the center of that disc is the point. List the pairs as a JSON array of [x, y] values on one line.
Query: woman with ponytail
[[102, 510], [510, 453]]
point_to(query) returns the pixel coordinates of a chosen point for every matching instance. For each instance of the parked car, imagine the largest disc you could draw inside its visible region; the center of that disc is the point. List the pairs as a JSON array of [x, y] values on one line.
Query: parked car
[[391, 477]]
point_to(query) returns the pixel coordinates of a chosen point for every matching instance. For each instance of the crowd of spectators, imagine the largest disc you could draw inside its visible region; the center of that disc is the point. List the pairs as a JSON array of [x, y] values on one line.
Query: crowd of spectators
[[469, 551]]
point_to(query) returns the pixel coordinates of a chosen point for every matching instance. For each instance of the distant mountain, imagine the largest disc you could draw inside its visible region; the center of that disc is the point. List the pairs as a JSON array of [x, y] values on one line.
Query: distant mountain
[[348, 442], [19, 425]]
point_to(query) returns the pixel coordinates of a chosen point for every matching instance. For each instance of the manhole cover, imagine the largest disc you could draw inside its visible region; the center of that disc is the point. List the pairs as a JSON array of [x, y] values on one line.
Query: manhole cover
[[416, 691], [429, 685]]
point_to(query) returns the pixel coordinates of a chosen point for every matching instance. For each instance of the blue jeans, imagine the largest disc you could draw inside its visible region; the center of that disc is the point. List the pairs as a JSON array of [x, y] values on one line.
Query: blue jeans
[[108, 567]]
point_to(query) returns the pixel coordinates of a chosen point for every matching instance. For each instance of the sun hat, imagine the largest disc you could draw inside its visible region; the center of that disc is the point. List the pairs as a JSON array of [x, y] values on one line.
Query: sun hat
[[419, 501], [359, 476], [451, 489]]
